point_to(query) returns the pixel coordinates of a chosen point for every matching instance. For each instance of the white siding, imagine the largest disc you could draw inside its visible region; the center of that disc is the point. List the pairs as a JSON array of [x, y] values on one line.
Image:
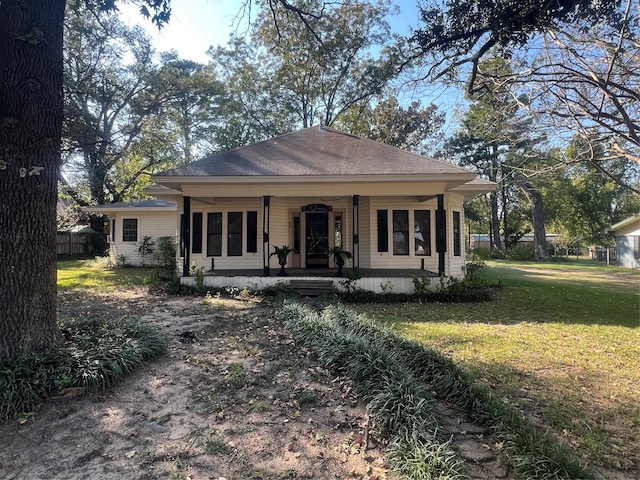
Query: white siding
[[151, 224], [453, 264], [248, 260], [626, 252], [388, 259]]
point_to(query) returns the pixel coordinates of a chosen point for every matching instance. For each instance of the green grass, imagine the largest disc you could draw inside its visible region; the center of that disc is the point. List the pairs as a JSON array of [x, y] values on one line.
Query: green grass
[[92, 274], [561, 342]]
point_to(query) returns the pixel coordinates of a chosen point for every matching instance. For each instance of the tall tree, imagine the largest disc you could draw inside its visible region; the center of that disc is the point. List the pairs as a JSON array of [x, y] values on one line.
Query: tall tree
[[300, 71], [31, 112], [113, 90], [411, 127], [494, 138], [576, 57]]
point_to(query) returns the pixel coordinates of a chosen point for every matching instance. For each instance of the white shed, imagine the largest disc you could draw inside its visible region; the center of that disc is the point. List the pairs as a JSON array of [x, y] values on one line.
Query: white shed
[[627, 236]]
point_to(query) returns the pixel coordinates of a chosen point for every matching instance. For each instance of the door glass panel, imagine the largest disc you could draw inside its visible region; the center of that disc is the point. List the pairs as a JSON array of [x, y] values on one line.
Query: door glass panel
[[317, 240]]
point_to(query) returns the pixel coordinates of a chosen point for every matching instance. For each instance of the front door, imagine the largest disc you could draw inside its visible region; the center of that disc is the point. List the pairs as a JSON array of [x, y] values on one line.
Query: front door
[[317, 233]]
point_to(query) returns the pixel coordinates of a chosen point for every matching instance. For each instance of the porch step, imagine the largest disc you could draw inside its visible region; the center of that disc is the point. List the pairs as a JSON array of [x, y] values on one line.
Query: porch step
[[311, 288]]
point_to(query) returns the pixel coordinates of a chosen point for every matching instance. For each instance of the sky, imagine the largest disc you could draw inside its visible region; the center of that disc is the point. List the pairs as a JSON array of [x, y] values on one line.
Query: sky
[[196, 25]]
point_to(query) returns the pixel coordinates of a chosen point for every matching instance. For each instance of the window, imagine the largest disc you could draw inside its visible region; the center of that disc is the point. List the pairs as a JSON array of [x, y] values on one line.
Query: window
[[113, 230], [130, 230], [422, 232], [383, 231], [234, 234], [214, 234], [401, 232], [252, 232], [636, 247], [196, 229], [296, 233], [457, 235], [337, 231]]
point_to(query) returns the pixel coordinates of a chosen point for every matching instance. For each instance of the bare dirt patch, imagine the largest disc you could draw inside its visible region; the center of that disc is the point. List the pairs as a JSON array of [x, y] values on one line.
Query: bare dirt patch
[[233, 398]]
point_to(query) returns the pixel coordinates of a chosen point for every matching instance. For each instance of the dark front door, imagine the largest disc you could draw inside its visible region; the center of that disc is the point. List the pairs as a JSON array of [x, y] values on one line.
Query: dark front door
[[317, 240]]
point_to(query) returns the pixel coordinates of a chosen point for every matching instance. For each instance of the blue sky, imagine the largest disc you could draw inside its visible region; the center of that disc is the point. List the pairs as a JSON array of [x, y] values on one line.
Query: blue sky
[[197, 24]]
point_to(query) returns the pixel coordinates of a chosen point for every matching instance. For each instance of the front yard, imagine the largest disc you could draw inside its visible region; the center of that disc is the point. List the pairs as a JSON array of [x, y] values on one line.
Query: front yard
[[561, 342]]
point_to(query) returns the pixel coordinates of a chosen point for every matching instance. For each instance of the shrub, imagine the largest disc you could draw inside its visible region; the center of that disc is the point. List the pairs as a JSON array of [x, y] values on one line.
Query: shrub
[[521, 253], [94, 356]]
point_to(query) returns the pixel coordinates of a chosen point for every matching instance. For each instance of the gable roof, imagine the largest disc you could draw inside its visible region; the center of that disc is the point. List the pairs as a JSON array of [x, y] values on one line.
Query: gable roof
[[315, 151]]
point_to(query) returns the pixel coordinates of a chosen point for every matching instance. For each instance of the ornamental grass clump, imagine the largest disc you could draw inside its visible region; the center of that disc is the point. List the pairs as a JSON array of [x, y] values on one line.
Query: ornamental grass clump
[[398, 406], [94, 355], [397, 377]]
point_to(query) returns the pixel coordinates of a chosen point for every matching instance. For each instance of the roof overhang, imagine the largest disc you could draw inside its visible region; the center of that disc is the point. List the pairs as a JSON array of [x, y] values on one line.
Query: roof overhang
[[624, 223]]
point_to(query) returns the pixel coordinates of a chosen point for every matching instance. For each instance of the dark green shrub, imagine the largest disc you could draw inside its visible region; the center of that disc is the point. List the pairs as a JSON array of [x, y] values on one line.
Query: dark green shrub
[[94, 355]]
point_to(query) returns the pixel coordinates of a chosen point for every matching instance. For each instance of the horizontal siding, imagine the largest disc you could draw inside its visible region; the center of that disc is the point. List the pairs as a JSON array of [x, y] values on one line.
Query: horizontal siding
[[151, 224], [453, 265], [251, 260]]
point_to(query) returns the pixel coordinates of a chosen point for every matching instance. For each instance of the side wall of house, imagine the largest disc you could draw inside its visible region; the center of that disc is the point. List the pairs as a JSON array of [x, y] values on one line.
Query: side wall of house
[[151, 224], [628, 246]]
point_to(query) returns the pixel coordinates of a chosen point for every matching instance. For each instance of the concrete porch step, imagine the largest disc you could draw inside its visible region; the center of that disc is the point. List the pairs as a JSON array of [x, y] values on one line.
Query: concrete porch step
[[311, 288]]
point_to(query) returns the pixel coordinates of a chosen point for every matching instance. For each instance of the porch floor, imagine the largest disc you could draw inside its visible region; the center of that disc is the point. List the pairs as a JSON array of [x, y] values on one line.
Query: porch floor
[[324, 272]]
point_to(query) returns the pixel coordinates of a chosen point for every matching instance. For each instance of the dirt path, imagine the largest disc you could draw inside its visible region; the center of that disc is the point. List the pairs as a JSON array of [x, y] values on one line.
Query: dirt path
[[233, 398]]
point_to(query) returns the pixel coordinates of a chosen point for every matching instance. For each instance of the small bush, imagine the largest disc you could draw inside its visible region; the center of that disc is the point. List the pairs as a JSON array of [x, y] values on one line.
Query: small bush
[[521, 254], [94, 356]]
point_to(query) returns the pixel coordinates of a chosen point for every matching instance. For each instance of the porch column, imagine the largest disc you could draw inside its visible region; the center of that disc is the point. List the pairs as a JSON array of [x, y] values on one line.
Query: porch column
[[185, 235], [355, 218], [266, 207], [441, 234]]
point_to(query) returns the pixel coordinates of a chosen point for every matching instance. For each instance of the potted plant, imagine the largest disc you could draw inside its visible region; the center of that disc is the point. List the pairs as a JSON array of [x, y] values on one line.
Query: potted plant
[[282, 253], [339, 257]]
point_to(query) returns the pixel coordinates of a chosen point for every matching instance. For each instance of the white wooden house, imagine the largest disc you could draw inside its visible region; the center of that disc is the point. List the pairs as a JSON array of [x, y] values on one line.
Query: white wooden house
[[130, 222], [397, 212], [627, 237]]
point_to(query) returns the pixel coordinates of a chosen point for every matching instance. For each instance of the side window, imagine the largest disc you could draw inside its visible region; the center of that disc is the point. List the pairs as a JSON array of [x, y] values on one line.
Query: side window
[[383, 231], [457, 235], [422, 232], [196, 232], [252, 232], [214, 234], [130, 230], [234, 234], [401, 232]]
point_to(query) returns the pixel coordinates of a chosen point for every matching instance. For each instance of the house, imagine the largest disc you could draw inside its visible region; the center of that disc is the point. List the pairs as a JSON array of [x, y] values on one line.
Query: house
[[130, 222], [397, 212], [627, 237]]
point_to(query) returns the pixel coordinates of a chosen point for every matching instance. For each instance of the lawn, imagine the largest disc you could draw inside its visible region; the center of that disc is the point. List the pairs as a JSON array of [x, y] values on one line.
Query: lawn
[[561, 342], [92, 274]]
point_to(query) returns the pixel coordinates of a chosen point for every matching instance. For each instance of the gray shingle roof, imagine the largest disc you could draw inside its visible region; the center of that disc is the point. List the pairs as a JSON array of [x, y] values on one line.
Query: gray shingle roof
[[314, 151]]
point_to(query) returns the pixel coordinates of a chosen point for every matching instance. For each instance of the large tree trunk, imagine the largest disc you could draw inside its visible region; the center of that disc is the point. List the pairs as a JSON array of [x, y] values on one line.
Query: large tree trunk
[[30, 127], [496, 241], [537, 219]]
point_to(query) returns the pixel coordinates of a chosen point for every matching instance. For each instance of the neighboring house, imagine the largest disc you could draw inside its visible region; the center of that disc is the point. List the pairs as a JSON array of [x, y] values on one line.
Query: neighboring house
[[130, 222], [315, 189], [627, 237]]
